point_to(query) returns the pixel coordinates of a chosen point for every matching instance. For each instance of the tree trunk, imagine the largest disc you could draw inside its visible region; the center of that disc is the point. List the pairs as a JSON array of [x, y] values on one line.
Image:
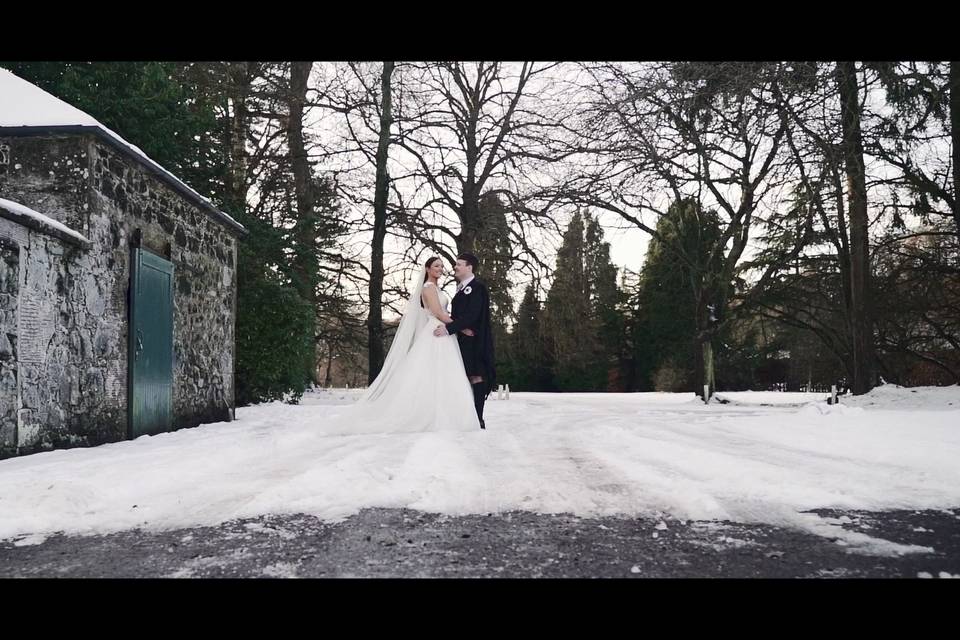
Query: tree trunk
[[305, 230], [328, 378], [469, 222], [955, 139], [703, 349], [375, 350], [708, 370], [859, 240], [238, 89]]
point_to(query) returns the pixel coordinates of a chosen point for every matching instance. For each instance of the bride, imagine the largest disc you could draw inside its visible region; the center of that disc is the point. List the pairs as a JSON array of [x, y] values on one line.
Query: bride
[[423, 385]]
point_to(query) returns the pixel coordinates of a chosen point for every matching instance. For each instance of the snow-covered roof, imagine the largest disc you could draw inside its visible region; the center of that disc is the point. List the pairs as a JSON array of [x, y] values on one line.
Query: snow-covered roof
[[26, 108], [36, 220]]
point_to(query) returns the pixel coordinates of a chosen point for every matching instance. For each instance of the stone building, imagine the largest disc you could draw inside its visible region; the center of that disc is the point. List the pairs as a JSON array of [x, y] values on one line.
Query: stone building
[[117, 285]]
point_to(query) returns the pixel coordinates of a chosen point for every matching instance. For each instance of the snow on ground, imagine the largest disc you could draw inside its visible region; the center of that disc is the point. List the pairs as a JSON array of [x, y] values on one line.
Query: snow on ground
[[651, 454], [891, 396], [769, 397]]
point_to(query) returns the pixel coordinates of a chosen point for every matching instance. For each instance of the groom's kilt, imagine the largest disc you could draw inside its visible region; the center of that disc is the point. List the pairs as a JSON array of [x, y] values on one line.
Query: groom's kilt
[[470, 350]]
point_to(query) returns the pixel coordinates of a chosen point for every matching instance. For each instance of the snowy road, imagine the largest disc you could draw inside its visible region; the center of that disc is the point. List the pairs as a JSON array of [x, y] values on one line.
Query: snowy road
[[589, 455]]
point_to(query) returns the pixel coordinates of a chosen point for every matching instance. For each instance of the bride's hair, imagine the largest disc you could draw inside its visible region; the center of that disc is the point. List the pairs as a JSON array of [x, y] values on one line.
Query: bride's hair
[[427, 265], [426, 274]]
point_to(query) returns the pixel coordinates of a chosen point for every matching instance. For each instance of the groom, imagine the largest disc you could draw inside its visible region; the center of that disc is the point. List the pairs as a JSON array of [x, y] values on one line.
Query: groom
[[470, 310]]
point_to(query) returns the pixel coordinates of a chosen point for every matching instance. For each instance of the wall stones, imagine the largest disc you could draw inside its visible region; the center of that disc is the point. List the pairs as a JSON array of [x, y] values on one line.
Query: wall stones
[[9, 394]]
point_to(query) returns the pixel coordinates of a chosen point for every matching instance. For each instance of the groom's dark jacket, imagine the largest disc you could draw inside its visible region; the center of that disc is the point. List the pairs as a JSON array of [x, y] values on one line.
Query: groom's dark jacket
[[470, 309]]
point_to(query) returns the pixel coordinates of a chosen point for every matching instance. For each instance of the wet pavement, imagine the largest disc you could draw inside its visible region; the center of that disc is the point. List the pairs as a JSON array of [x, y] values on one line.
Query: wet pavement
[[401, 543]]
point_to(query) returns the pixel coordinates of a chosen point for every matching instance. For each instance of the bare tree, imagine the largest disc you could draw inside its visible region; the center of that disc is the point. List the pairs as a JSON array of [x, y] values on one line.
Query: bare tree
[[474, 130], [852, 149], [657, 134], [955, 139], [375, 317], [240, 79], [304, 263], [829, 294], [360, 96]]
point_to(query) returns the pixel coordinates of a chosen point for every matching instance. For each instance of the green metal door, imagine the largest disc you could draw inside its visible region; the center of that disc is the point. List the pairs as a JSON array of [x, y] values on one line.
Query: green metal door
[[151, 344]]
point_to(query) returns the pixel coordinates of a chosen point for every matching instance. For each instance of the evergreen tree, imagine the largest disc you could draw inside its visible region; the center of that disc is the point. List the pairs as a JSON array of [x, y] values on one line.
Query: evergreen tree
[[629, 348], [274, 323], [528, 365], [605, 304], [568, 334], [582, 325], [495, 252], [667, 351]]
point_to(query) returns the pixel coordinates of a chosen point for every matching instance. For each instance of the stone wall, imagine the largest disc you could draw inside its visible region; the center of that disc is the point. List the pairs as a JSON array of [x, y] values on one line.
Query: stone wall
[[9, 389], [204, 255], [72, 370]]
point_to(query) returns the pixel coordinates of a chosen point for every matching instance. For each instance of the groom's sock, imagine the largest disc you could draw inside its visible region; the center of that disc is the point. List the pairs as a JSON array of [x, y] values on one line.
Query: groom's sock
[[478, 399]]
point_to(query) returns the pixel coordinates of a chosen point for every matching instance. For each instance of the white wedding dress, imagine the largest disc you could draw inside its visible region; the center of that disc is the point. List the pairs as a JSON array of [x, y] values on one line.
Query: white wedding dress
[[422, 386]]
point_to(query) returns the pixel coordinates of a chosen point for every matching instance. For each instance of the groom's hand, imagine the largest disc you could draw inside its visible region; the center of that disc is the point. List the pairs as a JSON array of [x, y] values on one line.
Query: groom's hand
[[467, 332], [440, 331]]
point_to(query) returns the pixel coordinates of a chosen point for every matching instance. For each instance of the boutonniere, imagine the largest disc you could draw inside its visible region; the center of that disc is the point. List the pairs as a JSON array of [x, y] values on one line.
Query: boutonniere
[[467, 290]]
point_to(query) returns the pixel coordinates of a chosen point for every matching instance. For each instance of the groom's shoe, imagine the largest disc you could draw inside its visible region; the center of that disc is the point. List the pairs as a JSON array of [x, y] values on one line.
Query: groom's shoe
[[478, 399]]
